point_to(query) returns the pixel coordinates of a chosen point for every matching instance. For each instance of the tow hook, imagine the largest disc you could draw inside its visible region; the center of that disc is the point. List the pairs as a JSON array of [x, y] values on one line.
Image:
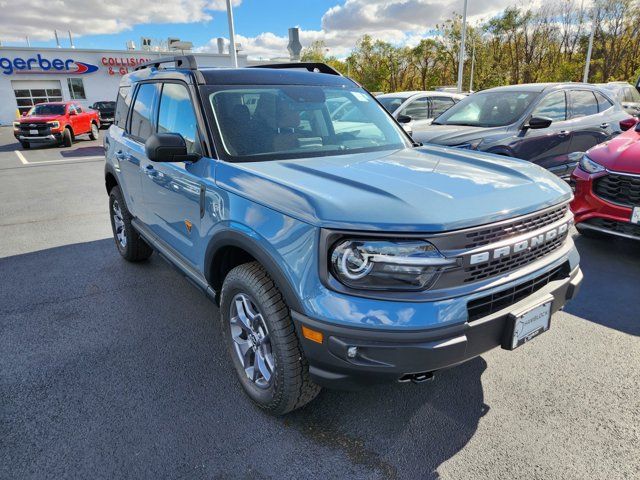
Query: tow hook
[[417, 377]]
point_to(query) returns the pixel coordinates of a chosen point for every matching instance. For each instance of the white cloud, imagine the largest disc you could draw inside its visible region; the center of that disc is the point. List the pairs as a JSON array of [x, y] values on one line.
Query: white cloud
[[396, 21], [38, 18]]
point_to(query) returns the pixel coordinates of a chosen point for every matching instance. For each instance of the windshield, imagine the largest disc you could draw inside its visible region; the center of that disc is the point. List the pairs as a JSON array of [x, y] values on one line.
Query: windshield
[[391, 103], [489, 109], [47, 109], [295, 121]]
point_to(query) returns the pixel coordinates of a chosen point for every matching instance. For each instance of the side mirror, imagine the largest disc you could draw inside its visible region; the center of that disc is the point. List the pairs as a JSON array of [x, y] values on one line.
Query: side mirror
[[539, 122], [72, 112], [404, 118], [168, 147]]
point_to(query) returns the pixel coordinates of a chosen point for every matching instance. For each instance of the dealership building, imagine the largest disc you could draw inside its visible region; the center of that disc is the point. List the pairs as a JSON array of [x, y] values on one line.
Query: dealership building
[[34, 75]]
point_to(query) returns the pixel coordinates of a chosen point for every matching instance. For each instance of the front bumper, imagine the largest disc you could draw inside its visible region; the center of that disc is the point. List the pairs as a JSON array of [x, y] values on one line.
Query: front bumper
[[388, 356], [593, 213], [51, 138]]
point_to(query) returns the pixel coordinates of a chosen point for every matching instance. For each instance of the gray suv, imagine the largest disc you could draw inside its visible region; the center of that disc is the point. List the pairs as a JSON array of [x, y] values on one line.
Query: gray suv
[[545, 123]]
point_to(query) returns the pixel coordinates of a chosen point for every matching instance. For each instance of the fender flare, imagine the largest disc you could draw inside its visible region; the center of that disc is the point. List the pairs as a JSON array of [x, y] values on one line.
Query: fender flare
[[110, 170], [234, 238]]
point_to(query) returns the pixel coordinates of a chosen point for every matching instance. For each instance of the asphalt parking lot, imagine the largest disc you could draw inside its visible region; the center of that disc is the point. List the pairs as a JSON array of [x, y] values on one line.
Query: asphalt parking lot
[[114, 370]]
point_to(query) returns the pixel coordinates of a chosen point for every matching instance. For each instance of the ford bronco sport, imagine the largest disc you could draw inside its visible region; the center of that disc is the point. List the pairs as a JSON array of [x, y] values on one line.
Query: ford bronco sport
[[340, 253]]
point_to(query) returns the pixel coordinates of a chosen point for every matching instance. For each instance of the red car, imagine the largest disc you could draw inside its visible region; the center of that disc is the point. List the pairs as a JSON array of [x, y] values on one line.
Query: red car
[[57, 123], [607, 196]]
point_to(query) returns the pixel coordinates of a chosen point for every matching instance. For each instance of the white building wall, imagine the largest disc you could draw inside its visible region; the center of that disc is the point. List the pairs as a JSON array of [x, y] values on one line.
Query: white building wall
[[101, 84]]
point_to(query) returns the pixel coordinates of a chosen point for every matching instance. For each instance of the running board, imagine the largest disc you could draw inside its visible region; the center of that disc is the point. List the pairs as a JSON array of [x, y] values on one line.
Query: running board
[[174, 259]]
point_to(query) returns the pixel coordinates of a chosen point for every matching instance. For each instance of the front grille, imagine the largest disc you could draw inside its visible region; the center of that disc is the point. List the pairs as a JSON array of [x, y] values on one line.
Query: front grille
[[512, 262], [492, 234], [625, 228], [618, 188], [483, 306], [42, 128]]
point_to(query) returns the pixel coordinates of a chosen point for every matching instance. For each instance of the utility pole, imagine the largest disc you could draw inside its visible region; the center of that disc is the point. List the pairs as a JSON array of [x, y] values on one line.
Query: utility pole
[[462, 46], [473, 64], [585, 77], [232, 36]]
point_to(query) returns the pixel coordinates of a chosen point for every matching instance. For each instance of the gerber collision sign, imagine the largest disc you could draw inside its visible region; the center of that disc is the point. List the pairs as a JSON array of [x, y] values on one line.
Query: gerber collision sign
[[40, 65]]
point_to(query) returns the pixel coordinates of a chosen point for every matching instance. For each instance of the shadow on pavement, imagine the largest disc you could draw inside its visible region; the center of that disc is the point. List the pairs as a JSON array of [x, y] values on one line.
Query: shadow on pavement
[[611, 267], [83, 151], [118, 368]]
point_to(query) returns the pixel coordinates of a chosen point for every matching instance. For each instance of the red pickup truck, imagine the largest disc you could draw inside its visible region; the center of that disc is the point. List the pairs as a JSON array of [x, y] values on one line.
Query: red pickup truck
[[57, 123]]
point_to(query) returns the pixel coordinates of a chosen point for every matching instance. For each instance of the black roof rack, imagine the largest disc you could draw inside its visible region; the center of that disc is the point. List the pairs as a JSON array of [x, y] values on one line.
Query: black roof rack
[[179, 61], [309, 66]]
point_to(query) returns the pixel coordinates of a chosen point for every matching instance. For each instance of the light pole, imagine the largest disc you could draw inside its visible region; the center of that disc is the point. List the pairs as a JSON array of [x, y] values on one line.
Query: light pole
[[462, 40], [232, 36], [585, 77], [473, 64]]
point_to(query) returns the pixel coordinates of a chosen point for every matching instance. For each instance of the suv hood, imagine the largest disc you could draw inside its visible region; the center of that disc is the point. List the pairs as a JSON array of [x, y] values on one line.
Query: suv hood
[[39, 118], [429, 189], [621, 154], [454, 134]]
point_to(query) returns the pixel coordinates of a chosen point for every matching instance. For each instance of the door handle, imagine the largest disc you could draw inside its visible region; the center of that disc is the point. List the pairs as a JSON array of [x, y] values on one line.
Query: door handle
[[604, 125], [150, 171], [563, 133]]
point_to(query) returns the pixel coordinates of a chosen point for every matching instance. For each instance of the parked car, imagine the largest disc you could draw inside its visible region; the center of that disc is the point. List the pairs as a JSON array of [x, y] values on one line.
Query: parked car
[[415, 110], [544, 123], [57, 123], [607, 188], [106, 111], [338, 258], [626, 94]]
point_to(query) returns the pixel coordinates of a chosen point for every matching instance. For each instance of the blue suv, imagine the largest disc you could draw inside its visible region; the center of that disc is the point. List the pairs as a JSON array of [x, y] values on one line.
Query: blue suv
[[340, 252]]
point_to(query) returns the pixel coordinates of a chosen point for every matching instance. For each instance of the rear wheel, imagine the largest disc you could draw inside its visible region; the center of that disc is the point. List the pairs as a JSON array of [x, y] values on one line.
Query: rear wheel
[[262, 341], [95, 133], [67, 138], [129, 242]]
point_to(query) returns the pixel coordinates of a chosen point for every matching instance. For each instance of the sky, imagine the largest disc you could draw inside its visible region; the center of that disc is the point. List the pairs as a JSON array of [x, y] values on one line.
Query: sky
[[260, 25]]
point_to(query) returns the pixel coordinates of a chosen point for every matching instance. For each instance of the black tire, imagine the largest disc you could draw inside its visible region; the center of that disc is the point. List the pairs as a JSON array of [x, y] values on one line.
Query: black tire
[[134, 248], [25, 145], [95, 133], [67, 138], [290, 386]]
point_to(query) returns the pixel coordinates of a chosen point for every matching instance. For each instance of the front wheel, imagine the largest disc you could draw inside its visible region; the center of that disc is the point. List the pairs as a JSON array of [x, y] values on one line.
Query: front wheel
[[262, 341], [94, 134], [129, 242], [67, 139]]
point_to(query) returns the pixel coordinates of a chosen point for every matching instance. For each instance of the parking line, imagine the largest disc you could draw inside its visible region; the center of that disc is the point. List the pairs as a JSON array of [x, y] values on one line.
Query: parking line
[[21, 157], [61, 160]]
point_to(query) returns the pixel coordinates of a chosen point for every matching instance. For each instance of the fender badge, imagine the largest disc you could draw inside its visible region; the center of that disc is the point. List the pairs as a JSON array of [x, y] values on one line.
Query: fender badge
[[188, 224]]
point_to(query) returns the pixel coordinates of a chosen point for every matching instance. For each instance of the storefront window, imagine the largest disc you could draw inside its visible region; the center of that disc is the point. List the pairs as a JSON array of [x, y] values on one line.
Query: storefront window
[[76, 88]]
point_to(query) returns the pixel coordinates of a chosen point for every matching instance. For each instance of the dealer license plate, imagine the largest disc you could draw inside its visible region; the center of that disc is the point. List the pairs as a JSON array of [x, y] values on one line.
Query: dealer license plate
[[635, 215], [33, 132], [528, 324]]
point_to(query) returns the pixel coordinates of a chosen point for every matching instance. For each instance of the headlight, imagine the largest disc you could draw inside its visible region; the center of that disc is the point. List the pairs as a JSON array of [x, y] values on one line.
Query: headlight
[[54, 124], [590, 166], [376, 264]]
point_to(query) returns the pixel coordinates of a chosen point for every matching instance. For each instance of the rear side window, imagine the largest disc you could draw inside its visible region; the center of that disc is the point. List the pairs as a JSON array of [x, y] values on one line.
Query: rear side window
[[140, 123], [553, 106], [440, 105], [603, 102], [177, 115], [122, 106], [583, 103]]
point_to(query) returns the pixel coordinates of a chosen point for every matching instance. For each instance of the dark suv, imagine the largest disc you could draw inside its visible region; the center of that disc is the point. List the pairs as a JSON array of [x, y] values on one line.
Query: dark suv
[[546, 123], [340, 252]]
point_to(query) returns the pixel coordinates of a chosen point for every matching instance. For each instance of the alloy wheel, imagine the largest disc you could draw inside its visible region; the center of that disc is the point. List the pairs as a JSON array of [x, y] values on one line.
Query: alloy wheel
[[251, 340], [118, 221]]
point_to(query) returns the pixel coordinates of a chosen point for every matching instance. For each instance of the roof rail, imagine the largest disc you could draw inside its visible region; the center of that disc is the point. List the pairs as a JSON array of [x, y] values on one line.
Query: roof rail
[[309, 66], [179, 61]]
